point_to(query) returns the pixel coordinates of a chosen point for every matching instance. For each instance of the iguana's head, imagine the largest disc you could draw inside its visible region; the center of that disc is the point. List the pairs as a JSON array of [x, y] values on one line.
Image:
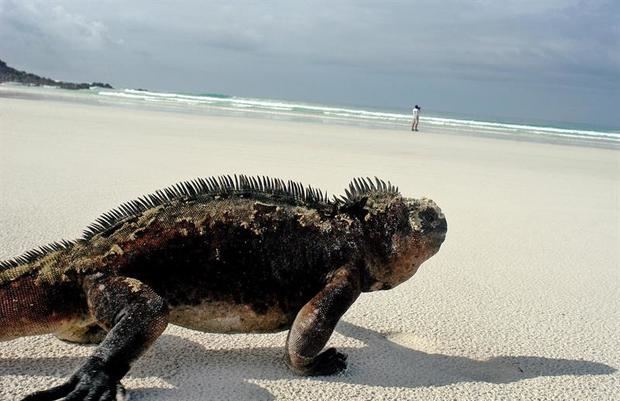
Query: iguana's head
[[402, 234]]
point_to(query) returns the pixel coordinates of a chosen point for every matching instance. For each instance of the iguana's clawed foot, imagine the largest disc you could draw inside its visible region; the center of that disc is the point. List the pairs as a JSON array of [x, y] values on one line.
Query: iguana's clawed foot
[[328, 362], [91, 382]]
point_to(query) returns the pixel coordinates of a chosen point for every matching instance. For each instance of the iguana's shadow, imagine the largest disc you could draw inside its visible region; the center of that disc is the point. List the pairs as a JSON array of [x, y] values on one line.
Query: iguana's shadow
[[227, 374]]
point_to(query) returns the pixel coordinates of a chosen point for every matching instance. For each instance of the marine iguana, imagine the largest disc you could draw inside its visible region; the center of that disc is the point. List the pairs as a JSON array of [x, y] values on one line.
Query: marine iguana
[[222, 254]]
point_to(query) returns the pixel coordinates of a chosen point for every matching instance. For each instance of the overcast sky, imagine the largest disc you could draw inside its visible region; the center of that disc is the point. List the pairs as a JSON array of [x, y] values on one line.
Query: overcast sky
[[522, 60]]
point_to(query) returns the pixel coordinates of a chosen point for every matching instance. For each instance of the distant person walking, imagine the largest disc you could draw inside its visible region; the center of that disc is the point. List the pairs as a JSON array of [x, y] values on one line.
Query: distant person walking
[[416, 118]]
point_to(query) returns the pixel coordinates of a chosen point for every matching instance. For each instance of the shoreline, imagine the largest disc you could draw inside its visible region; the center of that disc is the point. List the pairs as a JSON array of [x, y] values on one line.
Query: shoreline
[[492, 130]]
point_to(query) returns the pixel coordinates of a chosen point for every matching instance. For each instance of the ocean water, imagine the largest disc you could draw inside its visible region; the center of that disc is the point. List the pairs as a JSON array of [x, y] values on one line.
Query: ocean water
[[279, 109], [349, 115]]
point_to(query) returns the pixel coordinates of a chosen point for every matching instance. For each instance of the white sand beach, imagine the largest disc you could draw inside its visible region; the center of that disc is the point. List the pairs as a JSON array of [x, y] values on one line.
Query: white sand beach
[[521, 303]]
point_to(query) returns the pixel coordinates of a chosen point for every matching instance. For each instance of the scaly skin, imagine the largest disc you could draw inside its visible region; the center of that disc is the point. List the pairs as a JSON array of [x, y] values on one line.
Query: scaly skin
[[235, 262]]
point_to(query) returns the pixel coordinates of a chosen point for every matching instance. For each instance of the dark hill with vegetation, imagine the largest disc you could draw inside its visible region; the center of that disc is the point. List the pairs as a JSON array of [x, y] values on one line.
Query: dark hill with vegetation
[[10, 74]]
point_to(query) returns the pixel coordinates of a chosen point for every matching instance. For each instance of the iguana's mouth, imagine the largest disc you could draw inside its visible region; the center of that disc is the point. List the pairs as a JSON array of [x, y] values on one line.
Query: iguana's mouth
[[440, 229]]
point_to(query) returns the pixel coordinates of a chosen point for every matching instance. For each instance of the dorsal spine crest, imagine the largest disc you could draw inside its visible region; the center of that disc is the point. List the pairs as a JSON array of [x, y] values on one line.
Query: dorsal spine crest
[[225, 185]]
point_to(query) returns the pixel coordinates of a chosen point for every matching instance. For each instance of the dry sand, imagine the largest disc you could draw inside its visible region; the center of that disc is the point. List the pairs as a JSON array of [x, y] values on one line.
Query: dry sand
[[522, 302]]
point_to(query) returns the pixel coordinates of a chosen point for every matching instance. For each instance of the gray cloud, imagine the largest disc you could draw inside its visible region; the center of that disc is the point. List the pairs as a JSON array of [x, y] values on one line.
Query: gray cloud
[[52, 23], [273, 47]]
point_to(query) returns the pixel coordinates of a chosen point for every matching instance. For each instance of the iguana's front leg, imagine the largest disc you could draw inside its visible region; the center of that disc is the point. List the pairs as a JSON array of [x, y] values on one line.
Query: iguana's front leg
[[135, 316], [315, 323]]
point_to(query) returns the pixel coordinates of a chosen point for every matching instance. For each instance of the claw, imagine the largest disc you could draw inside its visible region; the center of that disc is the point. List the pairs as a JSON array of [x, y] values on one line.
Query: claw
[[90, 383], [329, 362], [53, 393]]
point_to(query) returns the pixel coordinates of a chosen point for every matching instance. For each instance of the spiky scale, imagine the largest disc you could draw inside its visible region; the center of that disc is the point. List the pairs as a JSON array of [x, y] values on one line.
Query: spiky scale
[[212, 186]]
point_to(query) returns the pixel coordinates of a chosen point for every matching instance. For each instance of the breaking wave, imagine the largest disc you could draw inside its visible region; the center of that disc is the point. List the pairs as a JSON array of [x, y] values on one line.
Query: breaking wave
[[359, 116]]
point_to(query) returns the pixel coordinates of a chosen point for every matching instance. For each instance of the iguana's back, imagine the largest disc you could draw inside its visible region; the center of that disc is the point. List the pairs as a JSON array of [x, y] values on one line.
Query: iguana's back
[[162, 215], [235, 253], [217, 258]]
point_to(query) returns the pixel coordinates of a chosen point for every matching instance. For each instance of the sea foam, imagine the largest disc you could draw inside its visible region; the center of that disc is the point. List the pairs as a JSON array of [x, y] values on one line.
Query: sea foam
[[361, 116]]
